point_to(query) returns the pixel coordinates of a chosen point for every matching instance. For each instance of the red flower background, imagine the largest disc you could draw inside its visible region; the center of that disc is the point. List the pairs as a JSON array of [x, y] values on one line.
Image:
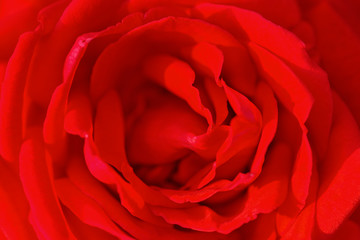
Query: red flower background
[[185, 119]]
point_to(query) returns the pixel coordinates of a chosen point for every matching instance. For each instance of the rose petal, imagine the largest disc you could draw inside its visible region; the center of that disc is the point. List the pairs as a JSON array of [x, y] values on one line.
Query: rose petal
[[252, 26], [271, 11], [348, 10], [73, 22], [302, 225], [13, 22], [207, 61], [177, 77], [239, 71], [207, 145], [262, 228], [267, 104], [306, 33], [164, 133], [14, 206], [207, 58], [347, 230], [11, 101], [2, 73], [279, 41], [289, 89], [218, 100], [38, 186], [79, 175], [130, 198], [339, 47], [245, 129], [292, 133], [109, 129], [241, 139], [266, 194], [83, 231], [186, 169], [78, 118], [175, 30], [2, 236], [156, 13], [109, 125], [320, 117], [86, 209], [54, 120], [339, 191], [242, 106]]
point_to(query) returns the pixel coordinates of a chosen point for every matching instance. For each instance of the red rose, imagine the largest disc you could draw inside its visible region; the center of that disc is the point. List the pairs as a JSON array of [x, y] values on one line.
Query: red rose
[[180, 119]]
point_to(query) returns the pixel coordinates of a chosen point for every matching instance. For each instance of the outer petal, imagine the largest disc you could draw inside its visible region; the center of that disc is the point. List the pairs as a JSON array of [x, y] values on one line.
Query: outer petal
[[288, 87], [339, 47], [76, 19], [302, 227], [16, 17], [287, 50], [348, 230], [273, 11], [54, 121], [339, 191], [36, 177], [86, 209], [348, 9], [263, 228], [79, 175], [83, 231], [14, 206], [11, 102]]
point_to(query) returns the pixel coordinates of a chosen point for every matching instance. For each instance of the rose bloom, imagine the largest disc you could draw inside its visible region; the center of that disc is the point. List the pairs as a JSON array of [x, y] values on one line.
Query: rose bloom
[[183, 119]]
